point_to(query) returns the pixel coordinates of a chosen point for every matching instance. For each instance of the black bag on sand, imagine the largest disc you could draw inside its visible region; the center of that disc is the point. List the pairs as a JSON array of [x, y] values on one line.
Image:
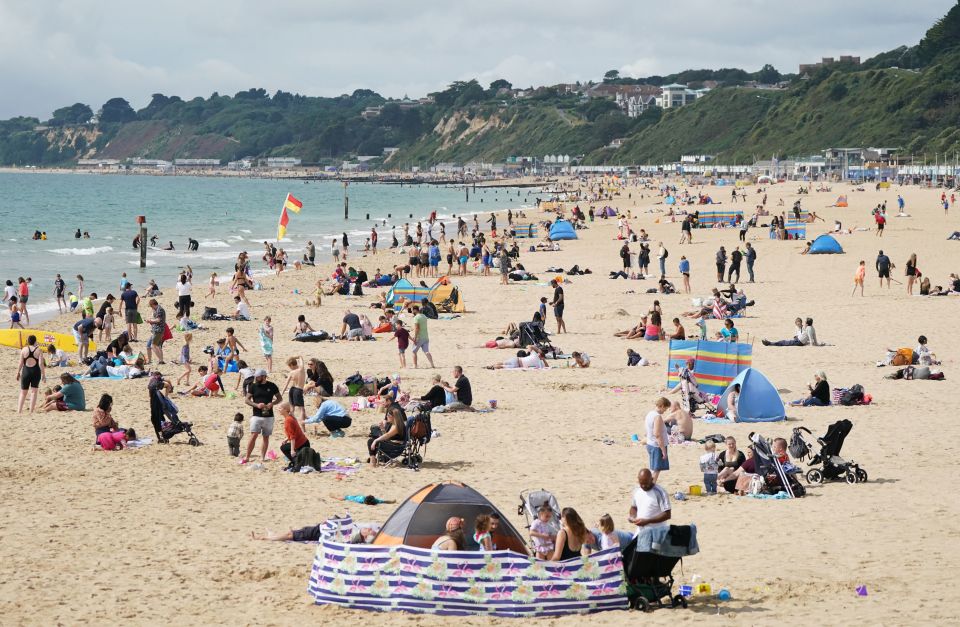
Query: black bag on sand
[[208, 313], [853, 396], [306, 456]]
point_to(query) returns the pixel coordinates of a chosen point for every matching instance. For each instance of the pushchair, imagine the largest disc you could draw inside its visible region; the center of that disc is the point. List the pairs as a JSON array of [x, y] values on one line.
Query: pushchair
[[533, 334], [418, 433], [776, 477], [832, 467], [449, 304], [649, 570], [173, 425], [530, 503]]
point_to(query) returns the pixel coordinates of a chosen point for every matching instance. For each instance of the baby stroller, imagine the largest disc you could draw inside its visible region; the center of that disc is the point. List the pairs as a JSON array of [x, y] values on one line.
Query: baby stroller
[[649, 570], [832, 466], [532, 333], [530, 503], [776, 476], [173, 425]]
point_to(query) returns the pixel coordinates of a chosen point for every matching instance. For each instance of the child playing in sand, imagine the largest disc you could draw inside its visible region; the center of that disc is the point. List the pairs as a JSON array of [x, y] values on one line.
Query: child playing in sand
[[858, 277], [362, 499], [543, 533], [185, 359], [608, 535], [709, 466], [235, 434], [208, 385], [110, 440], [318, 294], [482, 535], [57, 358], [232, 344], [213, 286], [266, 341]]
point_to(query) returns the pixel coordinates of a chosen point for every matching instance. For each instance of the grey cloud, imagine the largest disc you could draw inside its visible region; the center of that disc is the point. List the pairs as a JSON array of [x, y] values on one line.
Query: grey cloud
[[55, 53]]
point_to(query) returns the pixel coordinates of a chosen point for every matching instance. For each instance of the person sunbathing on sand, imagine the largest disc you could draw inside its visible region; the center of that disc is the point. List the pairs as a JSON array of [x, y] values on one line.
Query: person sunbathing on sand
[[364, 535], [634, 333], [532, 358]]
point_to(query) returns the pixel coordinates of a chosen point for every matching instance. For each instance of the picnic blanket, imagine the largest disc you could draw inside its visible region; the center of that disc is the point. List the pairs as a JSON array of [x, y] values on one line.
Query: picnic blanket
[[341, 465]]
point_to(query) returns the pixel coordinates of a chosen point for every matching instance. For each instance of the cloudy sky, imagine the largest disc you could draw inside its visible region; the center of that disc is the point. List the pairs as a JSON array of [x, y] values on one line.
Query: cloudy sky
[[57, 52]]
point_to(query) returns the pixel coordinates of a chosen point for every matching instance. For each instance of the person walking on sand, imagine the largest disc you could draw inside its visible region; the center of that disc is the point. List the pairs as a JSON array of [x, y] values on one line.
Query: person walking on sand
[[421, 339], [158, 327], [59, 285], [662, 258], [685, 273], [296, 379], [346, 246], [266, 342], [558, 303], [858, 277], [31, 371]]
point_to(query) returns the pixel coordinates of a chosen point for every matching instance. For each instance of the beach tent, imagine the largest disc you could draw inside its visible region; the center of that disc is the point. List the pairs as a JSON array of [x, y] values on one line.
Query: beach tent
[[759, 400], [442, 292], [717, 363], [421, 519], [561, 229], [842, 201], [670, 200], [825, 245], [405, 289], [610, 212], [765, 179], [525, 231], [710, 218]]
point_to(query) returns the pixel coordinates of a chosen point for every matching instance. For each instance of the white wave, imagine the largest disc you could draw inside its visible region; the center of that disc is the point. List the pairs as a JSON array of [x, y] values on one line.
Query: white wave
[[150, 262], [245, 230], [217, 256], [213, 243], [235, 238], [94, 250]]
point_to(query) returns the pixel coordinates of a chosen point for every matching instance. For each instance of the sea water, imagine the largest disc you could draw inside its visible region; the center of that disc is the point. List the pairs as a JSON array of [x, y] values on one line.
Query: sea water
[[226, 215]]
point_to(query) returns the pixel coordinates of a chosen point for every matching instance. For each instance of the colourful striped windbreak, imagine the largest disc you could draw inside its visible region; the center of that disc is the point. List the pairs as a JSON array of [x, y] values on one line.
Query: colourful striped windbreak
[[498, 583], [718, 363], [797, 230], [711, 218], [407, 290]]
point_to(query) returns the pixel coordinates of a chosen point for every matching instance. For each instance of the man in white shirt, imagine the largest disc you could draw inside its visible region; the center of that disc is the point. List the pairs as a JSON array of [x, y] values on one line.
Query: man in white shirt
[[243, 310], [651, 503], [656, 438]]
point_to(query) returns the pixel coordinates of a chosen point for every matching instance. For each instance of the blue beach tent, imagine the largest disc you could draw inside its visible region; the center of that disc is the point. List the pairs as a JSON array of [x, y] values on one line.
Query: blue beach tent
[[759, 400], [825, 245], [561, 229]]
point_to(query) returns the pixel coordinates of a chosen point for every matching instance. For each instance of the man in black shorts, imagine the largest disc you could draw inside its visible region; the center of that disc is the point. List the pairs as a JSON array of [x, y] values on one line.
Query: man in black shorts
[[883, 268], [558, 305], [130, 300], [58, 286]]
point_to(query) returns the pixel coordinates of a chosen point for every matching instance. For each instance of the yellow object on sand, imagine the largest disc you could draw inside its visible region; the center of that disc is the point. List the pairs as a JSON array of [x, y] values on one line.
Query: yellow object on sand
[[695, 490], [17, 338]]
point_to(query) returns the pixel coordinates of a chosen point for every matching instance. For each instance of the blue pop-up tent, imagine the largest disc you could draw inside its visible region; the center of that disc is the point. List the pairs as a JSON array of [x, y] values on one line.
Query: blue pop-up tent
[[759, 401], [561, 229], [825, 245]]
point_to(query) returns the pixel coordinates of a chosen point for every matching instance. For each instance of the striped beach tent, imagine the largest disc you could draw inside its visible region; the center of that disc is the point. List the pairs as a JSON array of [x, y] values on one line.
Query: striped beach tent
[[709, 219], [717, 363], [525, 231], [405, 289]]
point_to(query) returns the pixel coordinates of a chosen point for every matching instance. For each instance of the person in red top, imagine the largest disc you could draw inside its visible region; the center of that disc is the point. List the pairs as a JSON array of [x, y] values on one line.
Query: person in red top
[[23, 289], [295, 438]]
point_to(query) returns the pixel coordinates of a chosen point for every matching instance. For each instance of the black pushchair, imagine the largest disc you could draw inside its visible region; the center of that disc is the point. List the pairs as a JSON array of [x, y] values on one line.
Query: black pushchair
[[776, 477], [533, 334], [832, 467], [173, 425], [649, 573]]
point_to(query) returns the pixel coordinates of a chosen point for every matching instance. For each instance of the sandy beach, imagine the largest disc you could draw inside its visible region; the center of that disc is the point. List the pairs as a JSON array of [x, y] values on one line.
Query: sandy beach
[[161, 534]]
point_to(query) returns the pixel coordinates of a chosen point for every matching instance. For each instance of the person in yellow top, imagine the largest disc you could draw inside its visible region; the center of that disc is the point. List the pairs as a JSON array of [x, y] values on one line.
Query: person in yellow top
[[858, 277]]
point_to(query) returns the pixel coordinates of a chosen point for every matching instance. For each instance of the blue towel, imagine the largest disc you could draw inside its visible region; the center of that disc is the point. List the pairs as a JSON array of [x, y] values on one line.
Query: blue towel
[[715, 421]]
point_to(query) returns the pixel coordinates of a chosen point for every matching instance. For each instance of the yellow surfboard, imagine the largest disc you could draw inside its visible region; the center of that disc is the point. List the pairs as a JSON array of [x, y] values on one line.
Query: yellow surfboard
[[17, 338]]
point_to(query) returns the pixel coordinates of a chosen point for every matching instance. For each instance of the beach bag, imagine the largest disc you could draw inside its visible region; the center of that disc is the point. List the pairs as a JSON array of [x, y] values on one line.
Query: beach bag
[[904, 357], [208, 313], [139, 318], [167, 333], [798, 448], [419, 427]]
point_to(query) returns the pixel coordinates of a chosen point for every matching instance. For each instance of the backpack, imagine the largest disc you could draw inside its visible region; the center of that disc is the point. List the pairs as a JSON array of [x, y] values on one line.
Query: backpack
[[852, 396], [903, 357], [208, 313], [798, 448], [666, 253], [306, 456]]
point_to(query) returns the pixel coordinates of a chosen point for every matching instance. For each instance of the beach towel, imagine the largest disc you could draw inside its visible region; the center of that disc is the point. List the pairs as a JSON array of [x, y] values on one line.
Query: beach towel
[[113, 377], [341, 465]]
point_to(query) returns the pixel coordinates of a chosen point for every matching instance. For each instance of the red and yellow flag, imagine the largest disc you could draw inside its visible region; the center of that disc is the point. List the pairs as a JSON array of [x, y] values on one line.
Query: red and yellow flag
[[293, 205]]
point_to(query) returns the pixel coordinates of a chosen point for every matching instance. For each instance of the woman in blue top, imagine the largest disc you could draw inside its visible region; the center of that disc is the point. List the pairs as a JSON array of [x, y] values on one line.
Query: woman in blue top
[[685, 273], [729, 332]]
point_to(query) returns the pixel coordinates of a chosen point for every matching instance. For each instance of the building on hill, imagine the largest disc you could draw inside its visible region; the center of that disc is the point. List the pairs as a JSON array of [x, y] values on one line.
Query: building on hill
[[806, 69], [634, 106], [676, 95], [197, 163], [371, 112], [283, 162]]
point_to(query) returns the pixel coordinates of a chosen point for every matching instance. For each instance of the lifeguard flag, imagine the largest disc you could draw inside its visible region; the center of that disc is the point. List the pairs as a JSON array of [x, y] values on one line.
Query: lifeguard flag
[[292, 204], [282, 226]]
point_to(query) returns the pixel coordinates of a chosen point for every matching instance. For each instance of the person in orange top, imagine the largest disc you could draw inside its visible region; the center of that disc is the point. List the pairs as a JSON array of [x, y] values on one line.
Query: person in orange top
[[295, 438], [858, 277]]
